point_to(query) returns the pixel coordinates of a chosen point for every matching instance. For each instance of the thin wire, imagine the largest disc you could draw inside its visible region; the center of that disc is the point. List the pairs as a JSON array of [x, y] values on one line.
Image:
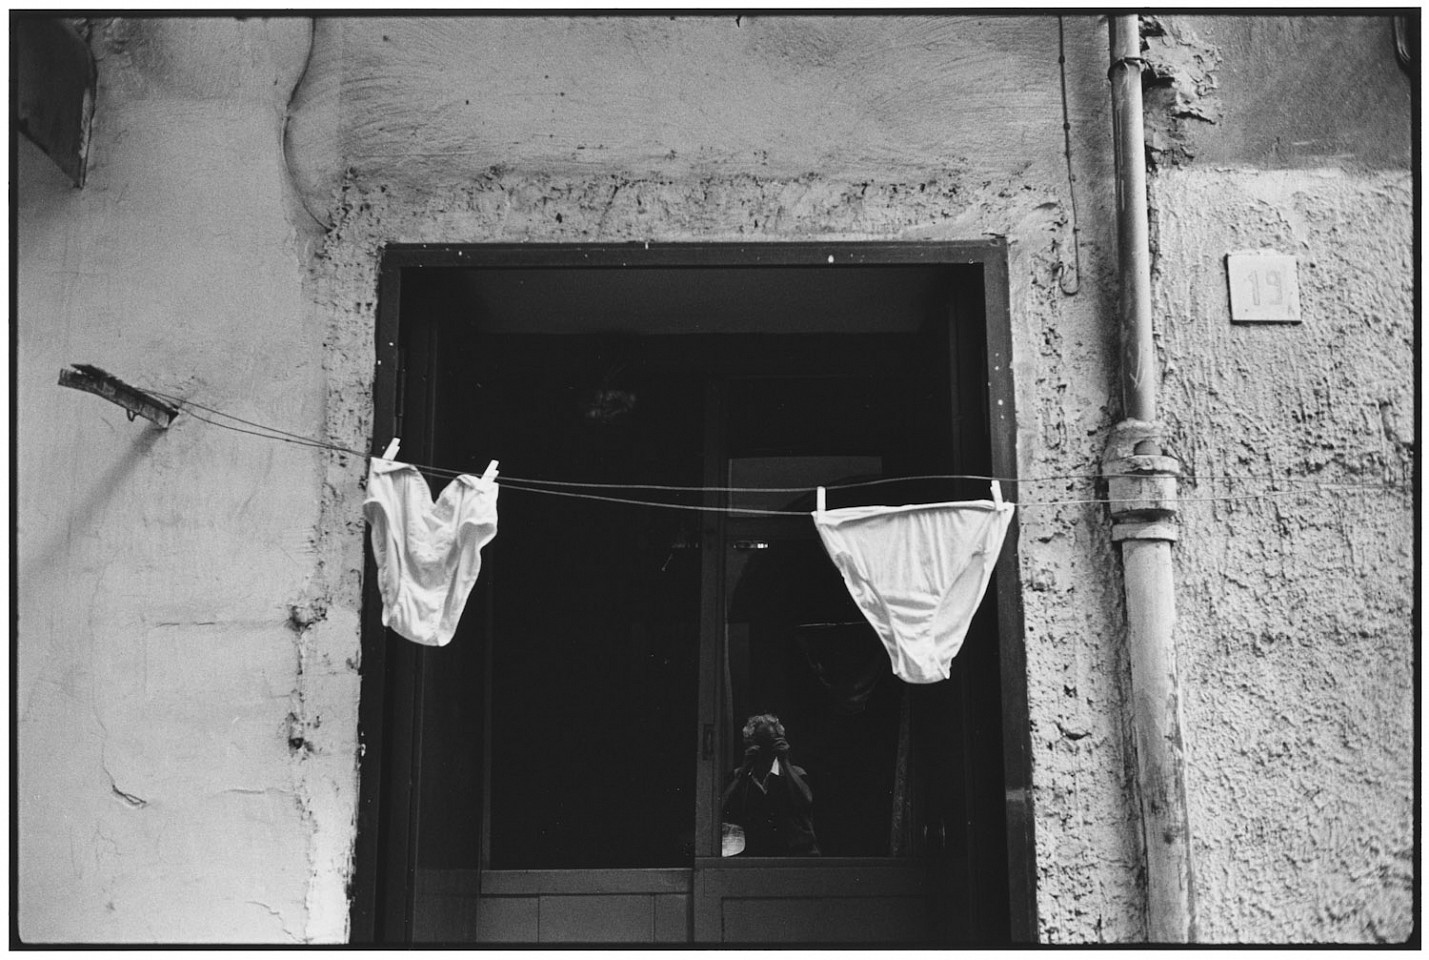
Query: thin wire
[[506, 484], [277, 434], [1079, 477], [1269, 494], [805, 489], [534, 485], [266, 436]]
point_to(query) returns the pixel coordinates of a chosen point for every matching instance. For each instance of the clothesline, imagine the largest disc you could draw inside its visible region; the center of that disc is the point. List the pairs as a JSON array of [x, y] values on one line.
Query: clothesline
[[566, 488], [1272, 494]]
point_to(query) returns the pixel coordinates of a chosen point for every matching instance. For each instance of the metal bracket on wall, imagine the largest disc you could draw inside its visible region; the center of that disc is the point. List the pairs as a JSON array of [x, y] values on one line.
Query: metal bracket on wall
[[135, 401]]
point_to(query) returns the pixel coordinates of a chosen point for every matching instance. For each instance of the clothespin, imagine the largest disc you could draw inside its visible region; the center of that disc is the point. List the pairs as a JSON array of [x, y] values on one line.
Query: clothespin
[[996, 494], [391, 450], [490, 475], [819, 501], [134, 401]]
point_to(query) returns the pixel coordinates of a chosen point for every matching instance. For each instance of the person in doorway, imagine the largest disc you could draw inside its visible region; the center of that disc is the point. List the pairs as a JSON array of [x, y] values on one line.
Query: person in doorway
[[769, 797]]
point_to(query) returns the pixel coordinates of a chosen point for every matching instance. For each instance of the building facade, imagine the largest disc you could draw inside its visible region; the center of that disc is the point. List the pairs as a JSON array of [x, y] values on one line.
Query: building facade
[[706, 251]]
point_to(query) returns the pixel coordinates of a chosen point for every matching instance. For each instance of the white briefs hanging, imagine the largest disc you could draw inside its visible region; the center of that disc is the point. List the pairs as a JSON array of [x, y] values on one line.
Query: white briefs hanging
[[428, 553], [918, 574]]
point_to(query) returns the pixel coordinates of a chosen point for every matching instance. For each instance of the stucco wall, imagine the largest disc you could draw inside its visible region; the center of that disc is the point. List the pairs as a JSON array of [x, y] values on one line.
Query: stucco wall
[[1295, 629], [1295, 613], [188, 645]]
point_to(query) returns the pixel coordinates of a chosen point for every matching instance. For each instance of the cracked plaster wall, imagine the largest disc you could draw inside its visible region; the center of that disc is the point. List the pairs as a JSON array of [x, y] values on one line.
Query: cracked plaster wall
[[194, 597], [161, 668]]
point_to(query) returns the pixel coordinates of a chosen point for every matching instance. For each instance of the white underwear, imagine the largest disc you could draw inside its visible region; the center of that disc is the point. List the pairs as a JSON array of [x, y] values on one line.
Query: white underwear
[[918, 573], [428, 553]]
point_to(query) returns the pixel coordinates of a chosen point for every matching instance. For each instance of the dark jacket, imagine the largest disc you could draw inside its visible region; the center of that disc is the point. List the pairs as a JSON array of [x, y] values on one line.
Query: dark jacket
[[777, 819]]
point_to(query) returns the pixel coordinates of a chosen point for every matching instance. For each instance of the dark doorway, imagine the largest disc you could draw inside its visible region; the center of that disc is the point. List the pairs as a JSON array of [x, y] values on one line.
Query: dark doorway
[[553, 774]]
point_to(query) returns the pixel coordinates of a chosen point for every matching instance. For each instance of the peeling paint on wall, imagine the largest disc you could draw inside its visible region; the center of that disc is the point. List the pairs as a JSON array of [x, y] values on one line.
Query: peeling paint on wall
[[1179, 88], [1276, 92]]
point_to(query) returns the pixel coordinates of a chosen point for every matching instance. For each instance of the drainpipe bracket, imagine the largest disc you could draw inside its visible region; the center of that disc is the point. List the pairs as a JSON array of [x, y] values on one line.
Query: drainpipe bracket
[[1145, 530], [1142, 489], [1141, 482], [1143, 464], [1131, 437]]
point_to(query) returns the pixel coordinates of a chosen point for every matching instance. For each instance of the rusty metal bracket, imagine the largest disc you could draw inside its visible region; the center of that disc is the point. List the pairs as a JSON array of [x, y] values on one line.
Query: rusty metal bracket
[[135, 402]]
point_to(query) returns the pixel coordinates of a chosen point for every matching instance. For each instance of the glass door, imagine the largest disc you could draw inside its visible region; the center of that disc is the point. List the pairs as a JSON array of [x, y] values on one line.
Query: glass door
[[579, 777], [796, 647], [825, 842], [561, 771]]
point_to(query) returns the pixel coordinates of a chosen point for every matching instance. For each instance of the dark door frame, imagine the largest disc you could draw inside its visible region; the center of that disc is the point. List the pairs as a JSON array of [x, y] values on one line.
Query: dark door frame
[[381, 888]]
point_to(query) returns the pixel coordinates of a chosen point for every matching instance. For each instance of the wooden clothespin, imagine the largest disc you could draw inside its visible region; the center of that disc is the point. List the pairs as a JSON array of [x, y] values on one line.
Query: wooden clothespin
[[135, 402], [490, 475], [819, 501], [391, 450], [996, 494]]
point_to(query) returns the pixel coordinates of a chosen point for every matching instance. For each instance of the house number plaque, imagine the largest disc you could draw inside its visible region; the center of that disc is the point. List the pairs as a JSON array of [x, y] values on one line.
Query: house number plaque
[[1264, 288]]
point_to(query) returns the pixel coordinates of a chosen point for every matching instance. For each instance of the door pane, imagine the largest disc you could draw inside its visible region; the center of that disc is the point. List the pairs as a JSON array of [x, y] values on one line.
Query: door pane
[[595, 607], [796, 646]]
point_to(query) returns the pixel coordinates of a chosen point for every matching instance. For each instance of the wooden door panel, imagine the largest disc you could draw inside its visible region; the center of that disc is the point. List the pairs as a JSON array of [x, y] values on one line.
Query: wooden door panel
[[819, 919], [507, 919], [597, 919], [581, 906], [827, 900], [568, 918]]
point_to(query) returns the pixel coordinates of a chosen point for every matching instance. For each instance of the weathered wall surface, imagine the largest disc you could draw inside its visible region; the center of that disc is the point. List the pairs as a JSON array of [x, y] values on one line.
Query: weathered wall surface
[[1295, 613], [174, 783], [1340, 96], [1295, 631], [433, 102], [575, 142], [224, 628], [189, 602]]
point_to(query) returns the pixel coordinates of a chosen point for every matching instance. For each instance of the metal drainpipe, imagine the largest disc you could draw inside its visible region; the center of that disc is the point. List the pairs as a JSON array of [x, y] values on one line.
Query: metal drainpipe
[[1141, 484]]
